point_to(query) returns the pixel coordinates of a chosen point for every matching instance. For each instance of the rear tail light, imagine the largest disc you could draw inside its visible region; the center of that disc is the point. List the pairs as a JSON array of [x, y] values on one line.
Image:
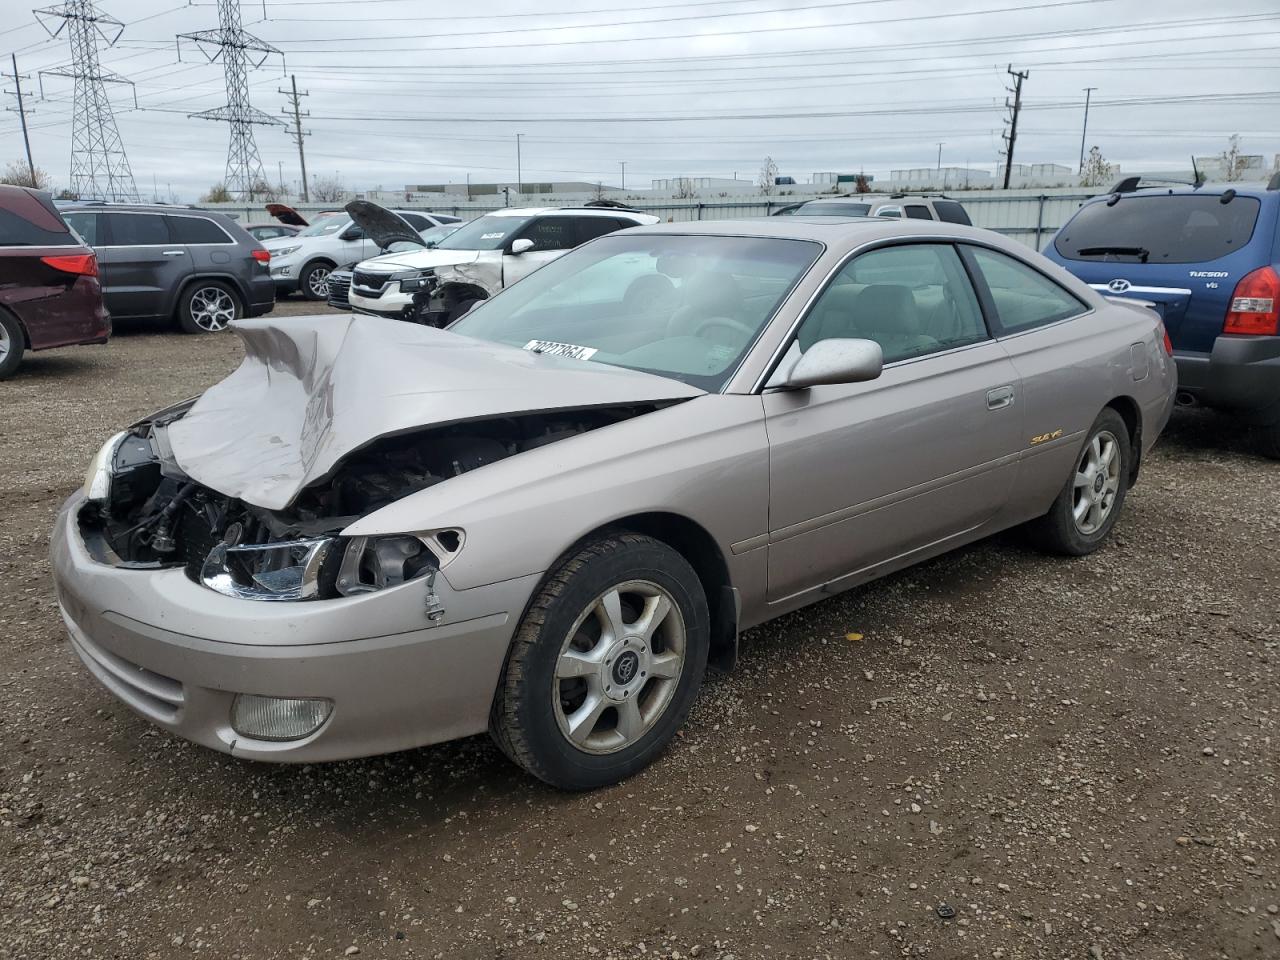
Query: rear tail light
[[84, 264], [1255, 304], [261, 255], [1168, 344]]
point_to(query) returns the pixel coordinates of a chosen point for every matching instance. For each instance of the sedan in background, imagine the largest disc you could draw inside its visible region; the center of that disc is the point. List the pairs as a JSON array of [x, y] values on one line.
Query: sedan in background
[[49, 290], [548, 520]]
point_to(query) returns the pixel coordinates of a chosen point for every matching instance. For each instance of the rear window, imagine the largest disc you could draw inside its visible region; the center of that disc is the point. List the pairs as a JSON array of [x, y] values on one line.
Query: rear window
[[196, 230], [917, 212], [26, 221], [951, 212], [1159, 229]]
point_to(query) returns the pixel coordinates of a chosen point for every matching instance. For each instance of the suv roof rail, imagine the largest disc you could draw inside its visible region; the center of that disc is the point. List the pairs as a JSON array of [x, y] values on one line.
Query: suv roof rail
[[901, 194], [605, 205]]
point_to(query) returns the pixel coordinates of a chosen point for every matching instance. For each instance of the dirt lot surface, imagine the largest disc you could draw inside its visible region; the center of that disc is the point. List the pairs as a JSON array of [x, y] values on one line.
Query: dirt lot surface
[[1077, 757]]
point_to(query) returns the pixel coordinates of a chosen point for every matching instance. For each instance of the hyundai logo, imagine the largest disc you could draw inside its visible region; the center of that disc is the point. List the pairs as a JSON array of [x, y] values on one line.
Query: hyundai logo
[[1119, 286]]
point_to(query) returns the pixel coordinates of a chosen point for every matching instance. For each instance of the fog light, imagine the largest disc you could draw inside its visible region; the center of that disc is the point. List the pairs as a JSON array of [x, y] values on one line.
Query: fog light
[[278, 718]]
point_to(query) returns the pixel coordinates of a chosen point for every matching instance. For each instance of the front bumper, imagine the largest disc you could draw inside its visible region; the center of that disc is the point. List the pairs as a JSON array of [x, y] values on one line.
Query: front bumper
[[391, 303], [1241, 374], [178, 653]]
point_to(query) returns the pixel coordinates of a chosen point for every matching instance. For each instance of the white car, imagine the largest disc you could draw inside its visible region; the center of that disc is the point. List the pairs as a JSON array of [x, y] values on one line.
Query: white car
[[303, 262], [477, 260]]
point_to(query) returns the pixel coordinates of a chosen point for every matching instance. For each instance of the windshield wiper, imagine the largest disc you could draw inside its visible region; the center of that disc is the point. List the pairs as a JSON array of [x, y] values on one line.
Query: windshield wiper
[[1140, 252]]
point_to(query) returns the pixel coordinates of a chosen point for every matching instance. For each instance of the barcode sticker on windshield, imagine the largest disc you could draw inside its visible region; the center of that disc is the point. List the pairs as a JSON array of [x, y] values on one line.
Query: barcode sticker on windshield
[[493, 236], [561, 349]]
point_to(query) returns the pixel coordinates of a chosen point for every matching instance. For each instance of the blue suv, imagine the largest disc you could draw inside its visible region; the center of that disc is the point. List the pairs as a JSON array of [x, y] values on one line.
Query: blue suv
[[1208, 258]]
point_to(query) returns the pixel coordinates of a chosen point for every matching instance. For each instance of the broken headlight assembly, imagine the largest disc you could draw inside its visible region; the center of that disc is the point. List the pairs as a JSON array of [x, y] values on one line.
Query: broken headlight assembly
[[97, 479], [415, 281], [325, 567]]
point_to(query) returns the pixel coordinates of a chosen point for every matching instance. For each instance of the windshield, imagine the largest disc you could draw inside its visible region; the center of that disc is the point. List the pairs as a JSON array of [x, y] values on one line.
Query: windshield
[[326, 226], [1159, 229], [684, 307], [826, 208], [483, 233], [436, 234]]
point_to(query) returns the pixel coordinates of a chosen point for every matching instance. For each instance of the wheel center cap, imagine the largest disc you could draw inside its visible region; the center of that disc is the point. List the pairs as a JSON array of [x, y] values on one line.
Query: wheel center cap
[[626, 667], [1098, 483]]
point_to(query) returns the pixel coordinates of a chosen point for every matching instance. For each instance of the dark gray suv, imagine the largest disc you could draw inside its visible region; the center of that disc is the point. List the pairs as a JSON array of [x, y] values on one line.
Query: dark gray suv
[[160, 262]]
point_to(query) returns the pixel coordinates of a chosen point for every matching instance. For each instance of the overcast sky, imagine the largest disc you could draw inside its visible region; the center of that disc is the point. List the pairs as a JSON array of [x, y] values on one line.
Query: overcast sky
[[407, 92]]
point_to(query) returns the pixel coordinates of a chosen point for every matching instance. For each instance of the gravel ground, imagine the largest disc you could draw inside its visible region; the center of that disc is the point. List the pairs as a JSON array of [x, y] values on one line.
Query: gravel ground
[[1077, 757]]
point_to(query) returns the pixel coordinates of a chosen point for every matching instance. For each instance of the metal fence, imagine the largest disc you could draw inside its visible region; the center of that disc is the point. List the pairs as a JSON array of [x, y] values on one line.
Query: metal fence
[[1027, 217]]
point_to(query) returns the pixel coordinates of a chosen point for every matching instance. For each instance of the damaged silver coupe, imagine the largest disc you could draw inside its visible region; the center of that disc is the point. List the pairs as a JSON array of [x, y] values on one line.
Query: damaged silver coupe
[[549, 520]]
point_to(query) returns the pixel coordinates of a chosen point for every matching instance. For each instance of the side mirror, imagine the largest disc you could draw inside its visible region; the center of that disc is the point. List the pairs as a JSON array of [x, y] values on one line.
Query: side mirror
[[523, 245], [351, 233], [835, 361]]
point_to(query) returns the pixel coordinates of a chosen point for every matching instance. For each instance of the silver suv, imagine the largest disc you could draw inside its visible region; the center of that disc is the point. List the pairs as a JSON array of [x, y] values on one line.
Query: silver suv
[[898, 206]]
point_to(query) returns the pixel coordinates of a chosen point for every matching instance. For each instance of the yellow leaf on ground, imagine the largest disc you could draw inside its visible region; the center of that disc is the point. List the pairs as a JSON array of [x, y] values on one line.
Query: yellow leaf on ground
[[853, 637]]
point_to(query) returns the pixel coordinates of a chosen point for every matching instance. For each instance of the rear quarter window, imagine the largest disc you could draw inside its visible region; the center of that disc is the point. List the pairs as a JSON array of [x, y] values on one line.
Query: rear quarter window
[[27, 222], [952, 212], [196, 230], [1167, 228]]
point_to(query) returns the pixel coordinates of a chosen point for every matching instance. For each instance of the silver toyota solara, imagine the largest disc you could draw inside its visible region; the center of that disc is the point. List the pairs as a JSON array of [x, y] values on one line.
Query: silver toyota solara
[[551, 519]]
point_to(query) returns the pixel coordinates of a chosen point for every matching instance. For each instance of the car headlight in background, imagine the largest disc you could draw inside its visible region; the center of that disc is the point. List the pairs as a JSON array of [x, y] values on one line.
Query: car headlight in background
[[279, 252], [412, 281], [278, 718], [97, 479]]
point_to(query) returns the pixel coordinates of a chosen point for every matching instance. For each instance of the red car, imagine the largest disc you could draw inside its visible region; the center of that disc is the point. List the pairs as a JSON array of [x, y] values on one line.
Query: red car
[[49, 290]]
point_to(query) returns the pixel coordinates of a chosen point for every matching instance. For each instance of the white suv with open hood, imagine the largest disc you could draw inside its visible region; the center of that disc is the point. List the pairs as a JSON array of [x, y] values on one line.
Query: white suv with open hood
[[477, 260]]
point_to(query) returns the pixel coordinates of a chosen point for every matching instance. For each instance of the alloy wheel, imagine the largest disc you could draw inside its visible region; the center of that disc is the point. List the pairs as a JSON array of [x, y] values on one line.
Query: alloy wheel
[[1097, 481], [318, 282], [619, 667], [212, 308], [5, 344]]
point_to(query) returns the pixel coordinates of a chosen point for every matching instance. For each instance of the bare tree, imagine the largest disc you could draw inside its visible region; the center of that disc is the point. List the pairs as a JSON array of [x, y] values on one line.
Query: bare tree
[[861, 184], [1096, 170], [20, 175], [328, 189], [1233, 162], [263, 190], [598, 193], [218, 193], [684, 189], [768, 180]]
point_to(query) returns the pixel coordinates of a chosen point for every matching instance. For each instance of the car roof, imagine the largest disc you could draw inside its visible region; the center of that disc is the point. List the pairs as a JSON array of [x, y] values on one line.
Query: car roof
[[179, 209], [829, 230], [1258, 191], [565, 212]]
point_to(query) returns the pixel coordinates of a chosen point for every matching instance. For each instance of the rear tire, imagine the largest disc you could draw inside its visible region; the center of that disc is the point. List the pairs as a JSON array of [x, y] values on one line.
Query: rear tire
[[207, 306], [313, 282], [13, 344], [1087, 508], [605, 665]]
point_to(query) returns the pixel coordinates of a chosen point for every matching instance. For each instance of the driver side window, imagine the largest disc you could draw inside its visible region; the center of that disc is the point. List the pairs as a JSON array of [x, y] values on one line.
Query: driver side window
[[912, 299], [549, 233]]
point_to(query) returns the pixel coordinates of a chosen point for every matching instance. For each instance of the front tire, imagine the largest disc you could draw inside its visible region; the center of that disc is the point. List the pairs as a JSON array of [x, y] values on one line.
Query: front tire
[[313, 283], [12, 345], [605, 665], [208, 306], [1087, 508], [1268, 440]]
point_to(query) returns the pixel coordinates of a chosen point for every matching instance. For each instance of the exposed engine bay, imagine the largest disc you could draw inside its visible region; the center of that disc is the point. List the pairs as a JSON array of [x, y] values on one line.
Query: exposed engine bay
[[152, 515]]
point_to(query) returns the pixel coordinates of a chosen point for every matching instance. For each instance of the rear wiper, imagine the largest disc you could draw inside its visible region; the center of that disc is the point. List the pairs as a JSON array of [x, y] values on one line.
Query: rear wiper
[[1140, 252]]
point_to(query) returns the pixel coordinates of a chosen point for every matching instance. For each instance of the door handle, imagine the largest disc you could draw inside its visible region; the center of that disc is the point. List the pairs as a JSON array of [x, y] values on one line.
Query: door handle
[[999, 397], [174, 253]]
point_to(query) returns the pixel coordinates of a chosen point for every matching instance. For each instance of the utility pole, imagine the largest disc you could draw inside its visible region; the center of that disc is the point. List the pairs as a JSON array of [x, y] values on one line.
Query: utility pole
[[99, 168], [240, 51], [1016, 107], [1084, 131], [519, 172], [624, 170], [939, 157], [297, 132], [22, 112]]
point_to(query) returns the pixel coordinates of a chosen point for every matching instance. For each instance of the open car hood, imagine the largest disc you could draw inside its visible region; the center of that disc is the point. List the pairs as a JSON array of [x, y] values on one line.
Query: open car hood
[[381, 225], [313, 390], [286, 214]]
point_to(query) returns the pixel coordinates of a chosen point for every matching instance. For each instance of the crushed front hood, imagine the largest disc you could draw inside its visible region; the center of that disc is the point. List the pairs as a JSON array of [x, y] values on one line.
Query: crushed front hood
[[312, 390]]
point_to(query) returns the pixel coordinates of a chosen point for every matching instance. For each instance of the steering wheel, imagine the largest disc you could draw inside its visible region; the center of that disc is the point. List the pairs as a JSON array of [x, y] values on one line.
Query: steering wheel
[[726, 322]]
